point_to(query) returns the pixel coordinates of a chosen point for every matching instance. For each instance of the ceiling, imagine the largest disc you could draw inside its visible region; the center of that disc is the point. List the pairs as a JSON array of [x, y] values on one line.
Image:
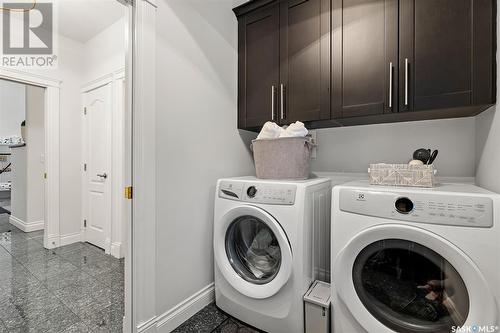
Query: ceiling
[[81, 20]]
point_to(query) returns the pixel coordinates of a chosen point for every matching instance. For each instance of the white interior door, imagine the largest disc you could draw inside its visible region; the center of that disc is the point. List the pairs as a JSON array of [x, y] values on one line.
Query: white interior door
[[97, 152]]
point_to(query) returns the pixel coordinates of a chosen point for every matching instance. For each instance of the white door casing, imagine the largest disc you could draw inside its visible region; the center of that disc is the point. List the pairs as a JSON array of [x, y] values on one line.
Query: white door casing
[[97, 178], [120, 205], [141, 245]]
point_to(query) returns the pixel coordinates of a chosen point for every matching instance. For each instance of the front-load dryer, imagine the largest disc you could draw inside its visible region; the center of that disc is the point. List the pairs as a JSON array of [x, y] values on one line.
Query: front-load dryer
[[415, 260], [265, 236]]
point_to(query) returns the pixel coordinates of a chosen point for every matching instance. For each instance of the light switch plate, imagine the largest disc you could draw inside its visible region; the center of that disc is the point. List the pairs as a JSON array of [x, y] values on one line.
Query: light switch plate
[[315, 141]]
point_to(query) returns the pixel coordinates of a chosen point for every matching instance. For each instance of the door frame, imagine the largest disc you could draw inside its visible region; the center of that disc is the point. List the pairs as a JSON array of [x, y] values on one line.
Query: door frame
[[140, 265], [113, 243], [51, 235]]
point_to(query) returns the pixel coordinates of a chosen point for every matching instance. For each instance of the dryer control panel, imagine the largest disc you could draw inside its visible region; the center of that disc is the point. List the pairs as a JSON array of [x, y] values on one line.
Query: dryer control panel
[[458, 210], [261, 193]]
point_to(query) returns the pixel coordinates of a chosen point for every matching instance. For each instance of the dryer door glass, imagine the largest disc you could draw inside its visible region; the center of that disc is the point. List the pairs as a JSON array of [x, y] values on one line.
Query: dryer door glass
[[253, 250], [409, 287]]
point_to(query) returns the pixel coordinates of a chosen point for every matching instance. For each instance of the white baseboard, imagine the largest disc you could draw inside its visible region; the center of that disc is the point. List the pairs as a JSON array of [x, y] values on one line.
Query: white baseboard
[[70, 238], [107, 245], [52, 242], [171, 319], [174, 317], [116, 250], [148, 326], [25, 226]]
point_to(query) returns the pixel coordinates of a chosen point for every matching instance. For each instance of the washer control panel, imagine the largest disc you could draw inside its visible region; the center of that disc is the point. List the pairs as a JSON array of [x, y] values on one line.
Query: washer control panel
[[433, 208], [261, 193]]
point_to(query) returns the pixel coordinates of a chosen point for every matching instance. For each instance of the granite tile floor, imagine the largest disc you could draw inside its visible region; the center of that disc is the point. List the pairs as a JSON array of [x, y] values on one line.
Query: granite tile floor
[[211, 319], [74, 288]]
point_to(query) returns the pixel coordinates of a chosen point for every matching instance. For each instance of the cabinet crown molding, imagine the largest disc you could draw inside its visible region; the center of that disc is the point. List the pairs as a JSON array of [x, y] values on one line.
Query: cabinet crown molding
[[250, 6]]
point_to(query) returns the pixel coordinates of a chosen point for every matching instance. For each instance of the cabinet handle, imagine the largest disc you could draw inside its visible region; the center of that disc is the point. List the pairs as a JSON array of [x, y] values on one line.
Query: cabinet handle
[[406, 81], [282, 101], [273, 88], [390, 85]]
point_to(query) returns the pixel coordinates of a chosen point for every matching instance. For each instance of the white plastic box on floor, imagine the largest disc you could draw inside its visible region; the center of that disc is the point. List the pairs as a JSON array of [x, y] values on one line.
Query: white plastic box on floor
[[317, 308]]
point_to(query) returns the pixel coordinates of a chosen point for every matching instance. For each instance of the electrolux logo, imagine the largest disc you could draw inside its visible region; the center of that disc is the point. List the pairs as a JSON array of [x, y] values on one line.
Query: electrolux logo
[[474, 329], [28, 34]]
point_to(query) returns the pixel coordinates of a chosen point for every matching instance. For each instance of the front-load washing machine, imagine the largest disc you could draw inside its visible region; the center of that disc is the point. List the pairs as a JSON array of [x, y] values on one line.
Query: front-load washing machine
[[415, 260], [265, 236]]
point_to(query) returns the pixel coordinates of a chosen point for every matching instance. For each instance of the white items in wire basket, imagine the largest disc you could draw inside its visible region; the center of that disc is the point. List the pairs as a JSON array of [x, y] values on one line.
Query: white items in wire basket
[[402, 175]]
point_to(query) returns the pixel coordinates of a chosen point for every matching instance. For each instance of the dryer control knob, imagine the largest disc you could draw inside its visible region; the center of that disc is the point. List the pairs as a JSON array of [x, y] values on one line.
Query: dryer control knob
[[251, 192], [404, 205]]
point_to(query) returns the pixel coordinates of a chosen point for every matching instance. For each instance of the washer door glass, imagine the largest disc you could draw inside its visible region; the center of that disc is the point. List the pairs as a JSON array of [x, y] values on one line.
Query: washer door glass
[[253, 250], [409, 287]]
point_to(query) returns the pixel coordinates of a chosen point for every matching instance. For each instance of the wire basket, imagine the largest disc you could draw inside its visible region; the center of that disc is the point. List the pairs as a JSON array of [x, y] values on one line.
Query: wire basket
[[402, 175]]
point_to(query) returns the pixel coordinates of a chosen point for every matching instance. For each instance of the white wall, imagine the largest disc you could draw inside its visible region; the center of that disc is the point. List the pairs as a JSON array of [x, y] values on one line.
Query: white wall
[[488, 149], [12, 108], [105, 53], [488, 141], [69, 71], [352, 149], [35, 158], [197, 140], [28, 163]]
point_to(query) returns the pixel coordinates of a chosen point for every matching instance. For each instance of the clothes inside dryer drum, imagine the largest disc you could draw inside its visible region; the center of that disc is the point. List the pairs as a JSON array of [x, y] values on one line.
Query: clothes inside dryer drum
[[409, 287], [253, 250]]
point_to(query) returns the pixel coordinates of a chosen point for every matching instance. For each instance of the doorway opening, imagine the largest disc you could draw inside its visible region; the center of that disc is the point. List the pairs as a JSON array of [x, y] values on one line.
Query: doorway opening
[[21, 165], [60, 261]]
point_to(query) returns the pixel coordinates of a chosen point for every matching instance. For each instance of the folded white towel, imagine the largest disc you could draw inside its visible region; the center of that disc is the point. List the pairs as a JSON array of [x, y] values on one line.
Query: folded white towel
[[296, 129], [270, 130]]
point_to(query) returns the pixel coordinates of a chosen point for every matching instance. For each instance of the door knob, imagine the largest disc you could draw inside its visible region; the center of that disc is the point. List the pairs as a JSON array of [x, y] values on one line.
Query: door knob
[[104, 175]]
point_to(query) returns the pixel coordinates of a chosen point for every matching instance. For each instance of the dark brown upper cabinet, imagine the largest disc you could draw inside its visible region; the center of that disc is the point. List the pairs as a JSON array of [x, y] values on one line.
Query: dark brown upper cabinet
[[304, 60], [365, 57], [447, 51], [284, 62], [350, 62], [258, 66]]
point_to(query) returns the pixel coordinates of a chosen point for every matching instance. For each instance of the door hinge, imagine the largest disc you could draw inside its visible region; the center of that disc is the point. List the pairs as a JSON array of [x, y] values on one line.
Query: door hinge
[[85, 223], [84, 166], [85, 111], [128, 192], [45, 175]]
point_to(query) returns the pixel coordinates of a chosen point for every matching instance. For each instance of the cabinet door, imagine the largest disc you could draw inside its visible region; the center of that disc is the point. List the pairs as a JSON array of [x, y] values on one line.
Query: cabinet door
[[446, 53], [364, 57], [258, 66], [305, 60]]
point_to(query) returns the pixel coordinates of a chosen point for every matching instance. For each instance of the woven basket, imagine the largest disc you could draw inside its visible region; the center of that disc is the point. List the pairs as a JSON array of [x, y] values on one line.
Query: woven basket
[[282, 158], [402, 175]]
